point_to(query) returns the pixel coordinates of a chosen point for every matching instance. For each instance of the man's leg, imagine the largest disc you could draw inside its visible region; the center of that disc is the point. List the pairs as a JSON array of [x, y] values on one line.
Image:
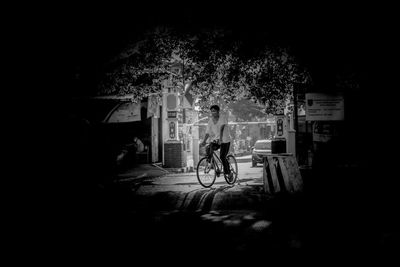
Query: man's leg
[[211, 148], [223, 153], [209, 151]]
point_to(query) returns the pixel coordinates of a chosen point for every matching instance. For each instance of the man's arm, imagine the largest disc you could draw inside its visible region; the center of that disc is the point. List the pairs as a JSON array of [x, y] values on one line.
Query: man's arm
[[130, 145], [208, 130], [205, 139]]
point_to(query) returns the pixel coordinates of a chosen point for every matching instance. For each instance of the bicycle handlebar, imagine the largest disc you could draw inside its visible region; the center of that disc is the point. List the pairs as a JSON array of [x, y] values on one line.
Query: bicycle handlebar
[[212, 142]]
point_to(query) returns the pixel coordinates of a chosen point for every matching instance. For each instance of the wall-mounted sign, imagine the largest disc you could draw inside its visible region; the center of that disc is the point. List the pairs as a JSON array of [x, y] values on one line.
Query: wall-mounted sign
[[324, 107], [172, 114], [279, 128], [172, 130], [172, 101]]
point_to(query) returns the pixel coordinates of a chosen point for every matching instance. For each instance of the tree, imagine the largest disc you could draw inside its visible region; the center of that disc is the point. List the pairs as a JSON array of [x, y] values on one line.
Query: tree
[[247, 110], [221, 67], [270, 78]]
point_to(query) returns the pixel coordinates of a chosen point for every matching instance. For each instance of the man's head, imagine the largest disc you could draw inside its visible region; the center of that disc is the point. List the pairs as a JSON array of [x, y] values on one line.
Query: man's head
[[214, 110], [216, 107]]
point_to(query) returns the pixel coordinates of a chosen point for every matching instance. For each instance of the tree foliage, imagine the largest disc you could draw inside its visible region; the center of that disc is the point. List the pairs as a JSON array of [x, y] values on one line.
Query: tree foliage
[[216, 62], [247, 110]]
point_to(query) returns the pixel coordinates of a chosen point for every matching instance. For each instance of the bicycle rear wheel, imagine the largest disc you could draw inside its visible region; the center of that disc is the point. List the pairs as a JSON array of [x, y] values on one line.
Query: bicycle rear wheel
[[205, 172], [234, 169]]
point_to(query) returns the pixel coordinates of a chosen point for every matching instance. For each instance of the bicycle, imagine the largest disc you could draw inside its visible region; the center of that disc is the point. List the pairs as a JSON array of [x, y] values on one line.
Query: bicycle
[[207, 171]]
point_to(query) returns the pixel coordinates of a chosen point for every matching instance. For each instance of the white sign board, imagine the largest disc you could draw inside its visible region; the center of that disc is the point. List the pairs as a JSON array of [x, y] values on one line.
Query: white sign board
[[324, 107]]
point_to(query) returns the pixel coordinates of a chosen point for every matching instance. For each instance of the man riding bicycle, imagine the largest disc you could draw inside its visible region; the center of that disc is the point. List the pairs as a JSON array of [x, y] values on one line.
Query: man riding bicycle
[[218, 131]]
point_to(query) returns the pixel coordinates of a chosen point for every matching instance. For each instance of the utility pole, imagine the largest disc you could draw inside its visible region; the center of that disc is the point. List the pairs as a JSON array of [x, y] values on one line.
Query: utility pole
[[183, 89], [296, 120]]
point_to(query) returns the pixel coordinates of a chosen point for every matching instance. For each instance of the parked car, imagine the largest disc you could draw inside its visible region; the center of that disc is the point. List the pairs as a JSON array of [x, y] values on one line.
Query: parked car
[[260, 149]]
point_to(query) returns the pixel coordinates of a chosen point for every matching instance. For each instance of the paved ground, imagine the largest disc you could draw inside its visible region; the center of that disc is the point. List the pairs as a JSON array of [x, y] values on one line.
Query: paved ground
[[181, 191], [156, 211], [175, 208]]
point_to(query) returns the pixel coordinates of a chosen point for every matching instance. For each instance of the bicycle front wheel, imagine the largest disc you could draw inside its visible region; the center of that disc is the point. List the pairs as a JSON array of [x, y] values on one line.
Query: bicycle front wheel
[[205, 172], [234, 169]]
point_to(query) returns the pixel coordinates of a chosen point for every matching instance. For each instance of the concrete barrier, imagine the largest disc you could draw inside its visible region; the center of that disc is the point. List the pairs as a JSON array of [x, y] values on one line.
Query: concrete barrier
[[281, 173]]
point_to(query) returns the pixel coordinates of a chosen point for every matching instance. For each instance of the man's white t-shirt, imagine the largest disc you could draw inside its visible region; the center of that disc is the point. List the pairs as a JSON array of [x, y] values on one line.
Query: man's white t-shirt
[[214, 130]]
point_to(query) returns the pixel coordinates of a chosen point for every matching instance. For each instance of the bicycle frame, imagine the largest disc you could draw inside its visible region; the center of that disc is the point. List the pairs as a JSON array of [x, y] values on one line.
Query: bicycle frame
[[216, 164], [217, 160]]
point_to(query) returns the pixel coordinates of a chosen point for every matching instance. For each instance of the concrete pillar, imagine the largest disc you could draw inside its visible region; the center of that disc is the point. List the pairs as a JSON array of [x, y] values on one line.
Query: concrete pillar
[[291, 136], [164, 119], [173, 154], [195, 137], [291, 142]]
